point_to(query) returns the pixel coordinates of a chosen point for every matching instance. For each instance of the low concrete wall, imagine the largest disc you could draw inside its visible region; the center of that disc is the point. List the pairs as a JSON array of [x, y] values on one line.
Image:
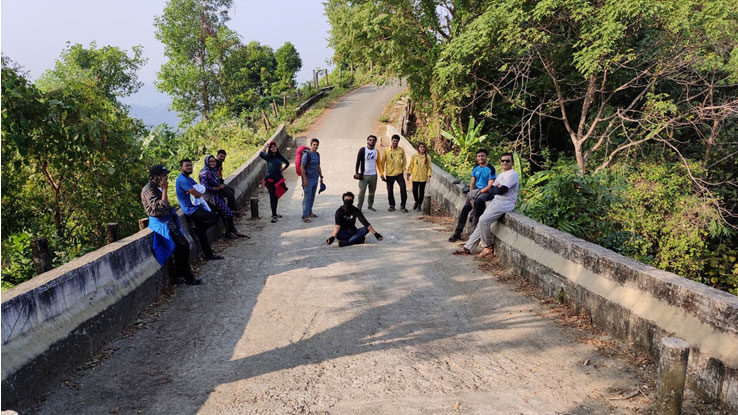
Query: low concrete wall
[[312, 100], [633, 301], [59, 319]]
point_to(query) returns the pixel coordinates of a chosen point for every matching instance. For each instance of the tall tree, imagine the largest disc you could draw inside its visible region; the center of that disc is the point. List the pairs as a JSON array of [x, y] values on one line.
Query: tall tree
[[196, 42], [288, 63], [248, 74]]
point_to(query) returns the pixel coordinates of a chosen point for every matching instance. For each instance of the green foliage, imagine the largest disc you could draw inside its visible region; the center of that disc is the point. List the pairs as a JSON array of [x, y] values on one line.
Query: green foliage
[[17, 259], [466, 142], [288, 64]]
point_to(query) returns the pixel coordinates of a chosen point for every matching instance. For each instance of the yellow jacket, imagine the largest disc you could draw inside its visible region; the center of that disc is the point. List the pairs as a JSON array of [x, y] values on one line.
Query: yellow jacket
[[419, 168], [393, 161]]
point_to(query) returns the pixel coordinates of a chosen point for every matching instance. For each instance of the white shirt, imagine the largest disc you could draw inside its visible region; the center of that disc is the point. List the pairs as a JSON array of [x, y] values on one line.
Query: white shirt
[[370, 161], [510, 179]]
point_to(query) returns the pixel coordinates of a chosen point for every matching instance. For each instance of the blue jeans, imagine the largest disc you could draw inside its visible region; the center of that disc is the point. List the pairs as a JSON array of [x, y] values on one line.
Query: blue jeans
[[309, 196], [353, 236]]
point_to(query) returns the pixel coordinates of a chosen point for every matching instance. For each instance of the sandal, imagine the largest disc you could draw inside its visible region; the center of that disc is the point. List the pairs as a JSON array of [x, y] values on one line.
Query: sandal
[[306, 220], [462, 251], [313, 215], [487, 252]]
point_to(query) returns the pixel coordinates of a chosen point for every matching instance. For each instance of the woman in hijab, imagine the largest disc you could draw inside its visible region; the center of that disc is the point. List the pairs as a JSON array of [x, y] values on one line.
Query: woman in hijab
[[276, 164], [210, 179]]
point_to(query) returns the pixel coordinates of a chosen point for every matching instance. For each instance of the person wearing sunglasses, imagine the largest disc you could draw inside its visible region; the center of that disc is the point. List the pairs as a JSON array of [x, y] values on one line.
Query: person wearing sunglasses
[[505, 190]]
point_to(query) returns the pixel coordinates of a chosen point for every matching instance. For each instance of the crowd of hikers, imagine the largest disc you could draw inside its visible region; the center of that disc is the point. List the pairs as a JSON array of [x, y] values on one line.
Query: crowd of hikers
[[211, 200]]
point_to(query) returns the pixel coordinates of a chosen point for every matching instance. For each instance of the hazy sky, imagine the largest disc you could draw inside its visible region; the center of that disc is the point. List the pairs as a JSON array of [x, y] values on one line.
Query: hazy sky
[[34, 32]]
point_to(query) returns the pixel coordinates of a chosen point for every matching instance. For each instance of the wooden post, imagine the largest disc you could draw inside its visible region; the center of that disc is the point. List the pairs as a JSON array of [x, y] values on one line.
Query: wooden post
[[284, 100], [299, 95], [315, 79], [254, 208], [143, 224], [326, 77], [673, 357], [112, 231], [41, 256], [274, 108], [427, 205], [339, 74], [267, 123]]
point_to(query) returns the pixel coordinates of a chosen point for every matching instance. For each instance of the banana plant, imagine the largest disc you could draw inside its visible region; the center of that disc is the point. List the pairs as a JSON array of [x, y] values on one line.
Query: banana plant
[[466, 141]]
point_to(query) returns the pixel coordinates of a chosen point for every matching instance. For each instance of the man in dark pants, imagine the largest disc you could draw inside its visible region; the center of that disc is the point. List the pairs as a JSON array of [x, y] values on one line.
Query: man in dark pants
[[228, 193], [163, 220], [202, 217], [345, 230], [483, 176]]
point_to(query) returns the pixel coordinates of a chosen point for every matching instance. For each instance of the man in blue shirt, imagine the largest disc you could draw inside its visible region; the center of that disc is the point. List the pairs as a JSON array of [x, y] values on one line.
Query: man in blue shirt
[[310, 168], [202, 217], [483, 175]]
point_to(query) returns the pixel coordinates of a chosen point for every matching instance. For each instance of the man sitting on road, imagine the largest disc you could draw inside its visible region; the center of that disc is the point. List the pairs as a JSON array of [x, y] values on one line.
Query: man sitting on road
[[505, 193], [163, 221], [483, 176], [202, 217], [368, 162], [393, 164], [345, 230]]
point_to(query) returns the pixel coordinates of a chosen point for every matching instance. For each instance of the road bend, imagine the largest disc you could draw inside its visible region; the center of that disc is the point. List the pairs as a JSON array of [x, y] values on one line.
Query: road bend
[[288, 325]]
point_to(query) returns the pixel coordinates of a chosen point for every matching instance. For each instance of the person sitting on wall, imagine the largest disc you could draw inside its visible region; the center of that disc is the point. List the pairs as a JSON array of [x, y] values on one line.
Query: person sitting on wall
[[505, 191], [164, 222], [209, 178], [199, 213], [228, 193], [482, 177], [345, 230]]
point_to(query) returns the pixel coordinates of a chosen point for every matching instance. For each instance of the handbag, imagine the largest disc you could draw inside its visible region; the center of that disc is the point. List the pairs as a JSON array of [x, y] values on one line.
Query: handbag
[[358, 176]]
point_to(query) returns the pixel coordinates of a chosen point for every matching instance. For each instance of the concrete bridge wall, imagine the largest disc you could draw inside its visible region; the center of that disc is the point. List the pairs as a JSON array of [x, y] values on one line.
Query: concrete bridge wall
[[633, 301], [59, 319]]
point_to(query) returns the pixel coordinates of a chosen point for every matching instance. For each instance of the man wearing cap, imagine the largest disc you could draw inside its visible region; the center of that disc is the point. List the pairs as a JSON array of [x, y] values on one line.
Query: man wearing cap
[[163, 221], [200, 215]]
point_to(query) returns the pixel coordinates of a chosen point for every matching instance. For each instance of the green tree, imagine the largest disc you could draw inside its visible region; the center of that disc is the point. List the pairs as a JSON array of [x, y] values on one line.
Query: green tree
[[248, 75], [288, 63], [196, 42]]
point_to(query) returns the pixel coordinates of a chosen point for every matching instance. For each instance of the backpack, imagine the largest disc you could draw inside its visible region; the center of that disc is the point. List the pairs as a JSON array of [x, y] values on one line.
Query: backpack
[[298, 158]]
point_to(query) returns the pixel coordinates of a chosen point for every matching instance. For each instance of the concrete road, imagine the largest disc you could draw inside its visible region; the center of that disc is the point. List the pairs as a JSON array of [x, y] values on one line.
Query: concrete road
[[288, 325]]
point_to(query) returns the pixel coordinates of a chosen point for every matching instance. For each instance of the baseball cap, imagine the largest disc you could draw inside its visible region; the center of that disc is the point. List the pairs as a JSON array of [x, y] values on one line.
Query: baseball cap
[[158, 170]]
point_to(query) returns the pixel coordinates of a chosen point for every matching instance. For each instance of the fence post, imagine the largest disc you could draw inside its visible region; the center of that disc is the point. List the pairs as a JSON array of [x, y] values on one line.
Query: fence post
[[284, 100], [41, 256], [254, 208], [672, 372], [427, 205], [315, 79], [143, 224], [112, 230], [274, 108]]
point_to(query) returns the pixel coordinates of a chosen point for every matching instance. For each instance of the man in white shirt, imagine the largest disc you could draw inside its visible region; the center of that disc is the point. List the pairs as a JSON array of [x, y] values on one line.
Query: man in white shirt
[[368, 164], [505, 189]]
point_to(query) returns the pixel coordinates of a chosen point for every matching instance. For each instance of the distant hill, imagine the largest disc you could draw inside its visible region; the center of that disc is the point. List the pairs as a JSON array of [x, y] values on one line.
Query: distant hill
[[153, 116]]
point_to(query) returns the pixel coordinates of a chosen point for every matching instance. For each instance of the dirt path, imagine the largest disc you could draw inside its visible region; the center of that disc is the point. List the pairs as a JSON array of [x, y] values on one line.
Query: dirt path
[[288, 325]]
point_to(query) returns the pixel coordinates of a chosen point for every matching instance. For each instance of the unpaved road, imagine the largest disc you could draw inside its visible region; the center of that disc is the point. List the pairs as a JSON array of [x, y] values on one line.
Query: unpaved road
[[289, 325]]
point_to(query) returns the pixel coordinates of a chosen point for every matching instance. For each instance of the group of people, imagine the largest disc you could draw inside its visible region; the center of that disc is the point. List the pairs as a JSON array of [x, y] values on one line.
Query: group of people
[[204, 203]]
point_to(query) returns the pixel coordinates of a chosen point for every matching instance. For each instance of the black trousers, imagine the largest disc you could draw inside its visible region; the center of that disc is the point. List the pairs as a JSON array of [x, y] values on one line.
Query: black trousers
[[273, 199], [230, 196], [203, 221], [391, 193], [479, 205], [419, 192], [227, 220], [182, 267]]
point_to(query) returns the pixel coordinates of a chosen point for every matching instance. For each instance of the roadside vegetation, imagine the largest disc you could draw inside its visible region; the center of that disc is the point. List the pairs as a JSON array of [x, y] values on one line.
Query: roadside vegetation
[[622, 114]]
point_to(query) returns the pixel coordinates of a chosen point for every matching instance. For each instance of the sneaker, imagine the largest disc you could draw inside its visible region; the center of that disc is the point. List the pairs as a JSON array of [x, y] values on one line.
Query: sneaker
[[391, 209], [342, 243], [403, 210], [372, 209], [419, 208], [214, 257], [454, 238], [279, 216], [196, 281], [274, 219], [415, 206]]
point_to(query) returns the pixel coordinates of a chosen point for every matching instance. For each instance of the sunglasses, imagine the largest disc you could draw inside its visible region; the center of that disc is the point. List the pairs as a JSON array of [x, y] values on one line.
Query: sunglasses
[[505, 161]]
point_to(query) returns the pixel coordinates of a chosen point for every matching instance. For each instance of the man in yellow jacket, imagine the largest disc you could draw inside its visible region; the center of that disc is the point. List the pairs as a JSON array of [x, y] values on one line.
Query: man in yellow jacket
[[394, 162]]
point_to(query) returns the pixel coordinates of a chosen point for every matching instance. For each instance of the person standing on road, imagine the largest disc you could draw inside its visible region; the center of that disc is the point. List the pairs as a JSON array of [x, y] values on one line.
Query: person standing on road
[[311, 173], [228, 193], [393, 163], [505, 191], [164, 222], [483, 176], [202, 217], [345, 230], [276, 164], [368, 161], [419, 171], [211, 180]]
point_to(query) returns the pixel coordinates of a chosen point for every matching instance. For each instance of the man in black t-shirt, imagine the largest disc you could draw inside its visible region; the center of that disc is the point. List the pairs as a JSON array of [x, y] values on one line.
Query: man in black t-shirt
[[345, 230]]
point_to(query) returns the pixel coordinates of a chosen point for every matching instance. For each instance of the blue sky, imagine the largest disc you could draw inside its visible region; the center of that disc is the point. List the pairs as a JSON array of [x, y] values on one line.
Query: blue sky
[[34, 32]]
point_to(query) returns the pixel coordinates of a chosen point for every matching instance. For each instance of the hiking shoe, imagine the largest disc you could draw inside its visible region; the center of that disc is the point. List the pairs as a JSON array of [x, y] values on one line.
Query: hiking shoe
[[274, 219], [391, 209], [454, 238], [403, 210], [372, 209]]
